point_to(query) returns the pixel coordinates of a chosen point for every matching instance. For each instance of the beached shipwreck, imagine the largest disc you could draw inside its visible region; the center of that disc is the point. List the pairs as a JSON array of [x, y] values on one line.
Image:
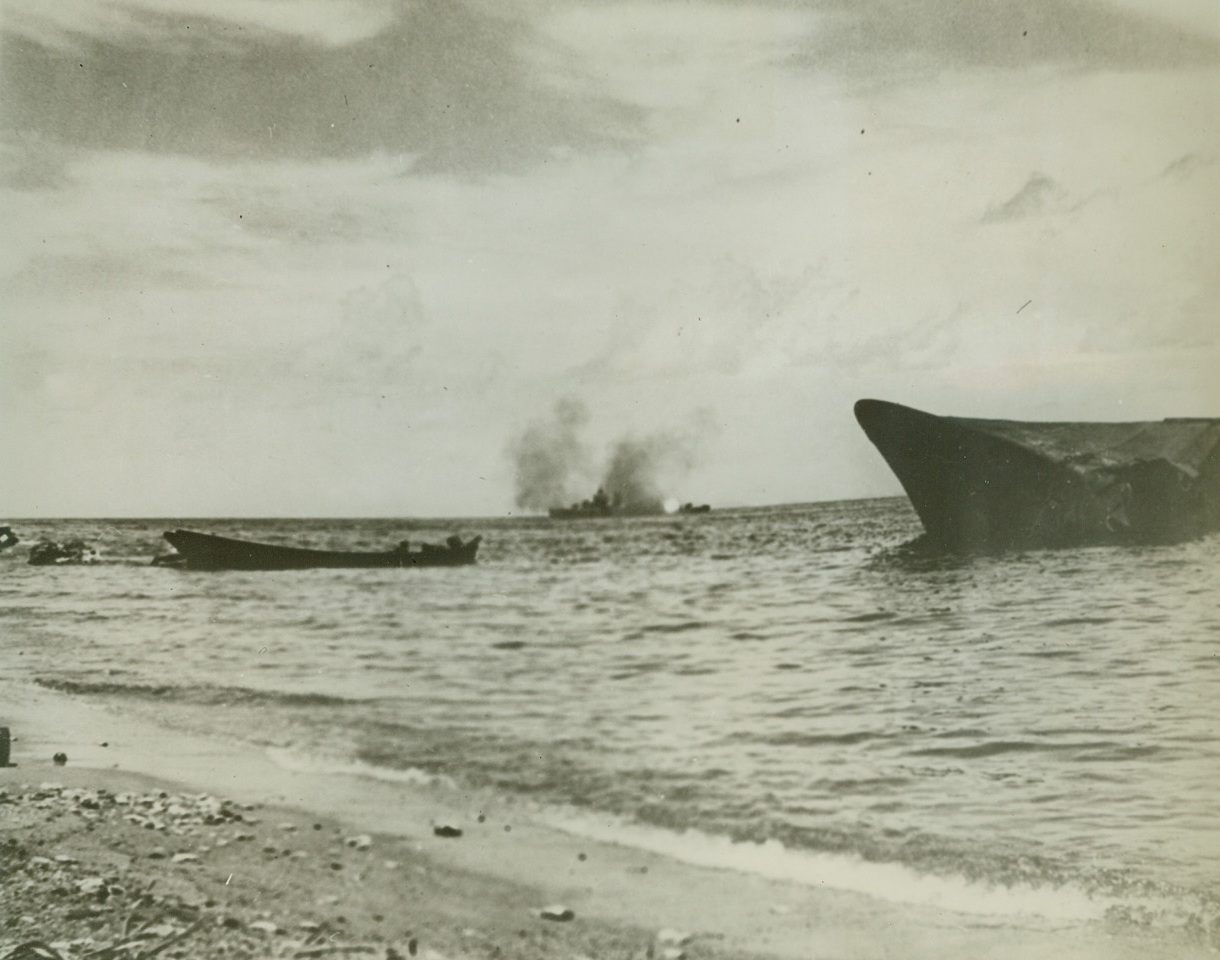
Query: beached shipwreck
[[1005, 484]]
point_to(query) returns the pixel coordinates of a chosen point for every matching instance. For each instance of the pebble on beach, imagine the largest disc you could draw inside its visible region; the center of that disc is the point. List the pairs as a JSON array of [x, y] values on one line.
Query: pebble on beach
[[106, 902], [91, 885], [210, 885]]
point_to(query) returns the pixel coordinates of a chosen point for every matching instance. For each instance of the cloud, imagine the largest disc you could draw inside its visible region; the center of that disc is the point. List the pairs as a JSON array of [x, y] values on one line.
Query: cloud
[[1189, 165], [880, 38], [434, 80], [462, 86], [675, 69], [1191, 16], [165, 22], [30, 163], [720, 315], [381, 332], [715, 65], [1039, 195]]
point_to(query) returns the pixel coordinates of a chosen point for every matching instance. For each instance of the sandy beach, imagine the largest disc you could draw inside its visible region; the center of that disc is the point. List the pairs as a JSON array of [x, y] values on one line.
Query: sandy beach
[[209, 849]]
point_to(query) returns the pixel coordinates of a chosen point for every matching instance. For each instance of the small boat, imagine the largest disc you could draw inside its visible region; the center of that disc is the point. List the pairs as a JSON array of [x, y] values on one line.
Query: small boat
[[1007, 484], [205, 551]]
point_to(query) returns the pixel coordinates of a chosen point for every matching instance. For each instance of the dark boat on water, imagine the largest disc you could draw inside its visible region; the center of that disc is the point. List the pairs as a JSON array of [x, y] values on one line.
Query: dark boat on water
[[1006, 484], [205, 551]]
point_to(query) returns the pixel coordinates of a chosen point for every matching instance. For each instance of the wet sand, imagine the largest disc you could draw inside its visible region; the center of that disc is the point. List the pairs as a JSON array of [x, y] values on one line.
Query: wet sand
[[178, 835]]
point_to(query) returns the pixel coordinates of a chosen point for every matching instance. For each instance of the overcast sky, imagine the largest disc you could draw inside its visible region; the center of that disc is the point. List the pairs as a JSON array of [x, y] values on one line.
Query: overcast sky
[[332, 257]]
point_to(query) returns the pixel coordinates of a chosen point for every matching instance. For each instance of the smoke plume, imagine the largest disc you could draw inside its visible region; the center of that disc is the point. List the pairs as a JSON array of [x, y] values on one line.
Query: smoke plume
[[554, 468], [550, 457]]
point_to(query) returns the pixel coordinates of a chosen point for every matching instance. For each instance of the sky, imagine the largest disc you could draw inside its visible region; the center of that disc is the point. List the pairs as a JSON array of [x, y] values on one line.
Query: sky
[[338, 257]]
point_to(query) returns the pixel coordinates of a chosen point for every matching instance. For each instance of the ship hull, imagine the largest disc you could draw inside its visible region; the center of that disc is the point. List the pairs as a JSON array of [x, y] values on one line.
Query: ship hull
[[602, 513], [1000, 484]]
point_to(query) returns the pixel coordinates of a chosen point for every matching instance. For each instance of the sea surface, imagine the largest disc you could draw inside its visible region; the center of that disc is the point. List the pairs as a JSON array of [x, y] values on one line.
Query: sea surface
[[785, 690]]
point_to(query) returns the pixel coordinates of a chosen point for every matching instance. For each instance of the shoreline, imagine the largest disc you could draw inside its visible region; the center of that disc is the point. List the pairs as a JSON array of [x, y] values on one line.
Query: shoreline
[[493, 879]]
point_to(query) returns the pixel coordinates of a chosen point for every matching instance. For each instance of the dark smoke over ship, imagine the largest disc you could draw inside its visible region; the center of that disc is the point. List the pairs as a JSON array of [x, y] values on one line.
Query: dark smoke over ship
[[553, 465]]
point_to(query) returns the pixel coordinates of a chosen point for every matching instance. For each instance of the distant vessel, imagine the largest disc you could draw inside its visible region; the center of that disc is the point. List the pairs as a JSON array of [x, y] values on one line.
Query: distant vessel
[[1005, 484], [602, 504], [205, 551]]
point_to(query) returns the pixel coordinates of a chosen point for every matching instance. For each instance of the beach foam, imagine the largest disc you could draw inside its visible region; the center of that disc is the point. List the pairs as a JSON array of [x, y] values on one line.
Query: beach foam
[[892, 882], [299, 762]]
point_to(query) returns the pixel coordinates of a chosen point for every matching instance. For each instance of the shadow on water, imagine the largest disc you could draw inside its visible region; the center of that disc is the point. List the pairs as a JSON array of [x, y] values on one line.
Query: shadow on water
[[922, 555]]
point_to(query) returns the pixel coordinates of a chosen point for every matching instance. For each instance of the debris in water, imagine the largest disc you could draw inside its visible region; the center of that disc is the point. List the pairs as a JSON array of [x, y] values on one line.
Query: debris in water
[[51, 553]]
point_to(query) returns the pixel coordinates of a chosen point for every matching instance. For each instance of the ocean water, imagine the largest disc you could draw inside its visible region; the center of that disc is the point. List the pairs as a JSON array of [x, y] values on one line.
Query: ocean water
[[784, 690]]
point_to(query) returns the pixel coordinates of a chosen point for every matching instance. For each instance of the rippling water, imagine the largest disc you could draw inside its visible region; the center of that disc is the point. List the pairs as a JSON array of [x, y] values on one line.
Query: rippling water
[[788, 676]]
